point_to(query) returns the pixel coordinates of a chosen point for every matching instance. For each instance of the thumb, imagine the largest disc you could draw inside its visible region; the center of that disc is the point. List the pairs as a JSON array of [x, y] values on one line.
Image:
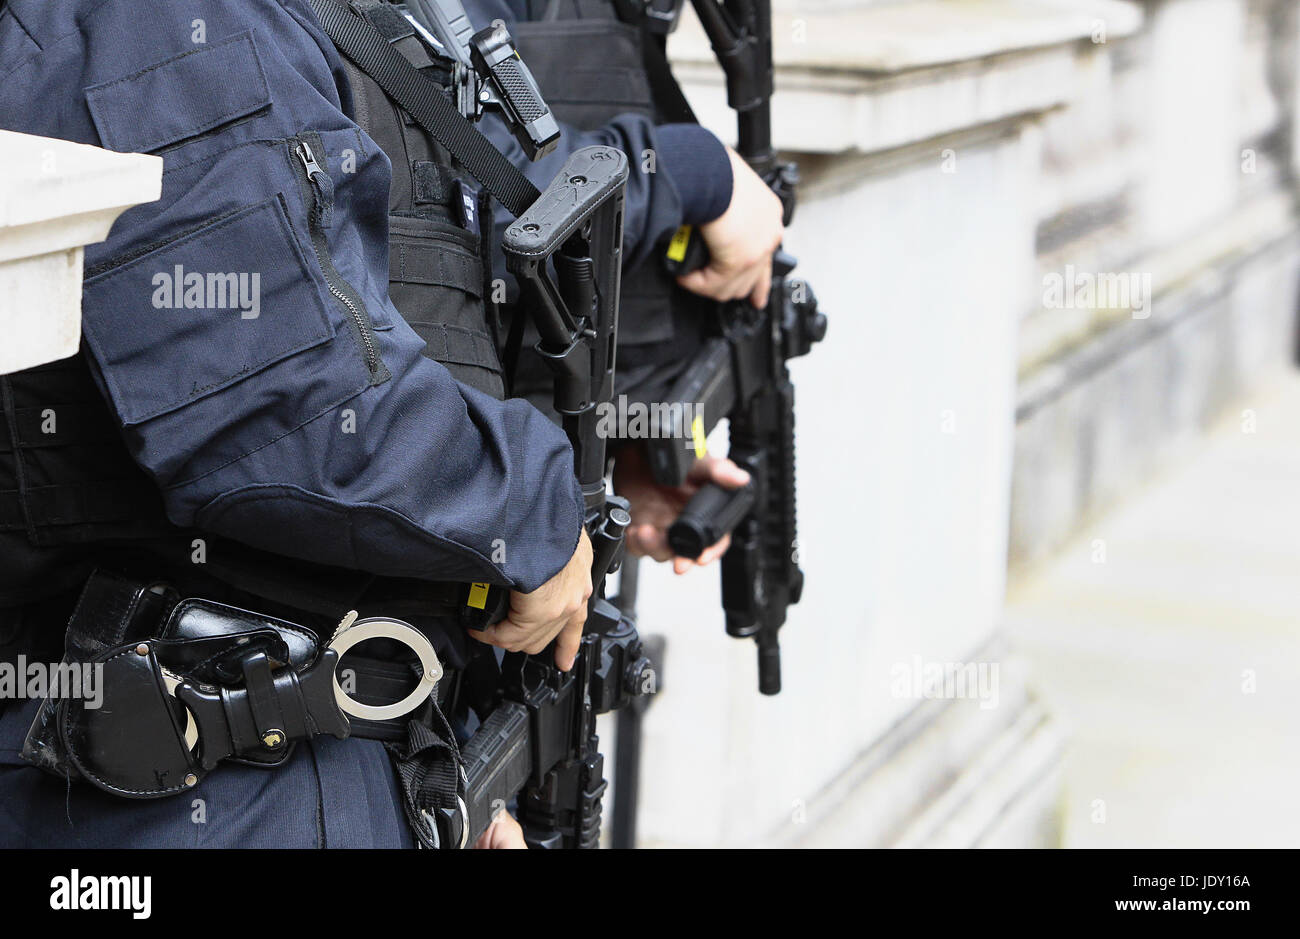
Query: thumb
[[720, 470], [705, 281]]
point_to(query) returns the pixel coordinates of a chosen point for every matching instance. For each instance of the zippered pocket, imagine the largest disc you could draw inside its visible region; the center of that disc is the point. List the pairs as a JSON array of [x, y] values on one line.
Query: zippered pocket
[[307, 157], [203, 313]]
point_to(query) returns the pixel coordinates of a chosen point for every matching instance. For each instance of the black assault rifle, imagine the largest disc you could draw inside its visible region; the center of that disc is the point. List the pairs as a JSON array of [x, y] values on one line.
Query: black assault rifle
[[538, 743], [740, 373], [540, 740]]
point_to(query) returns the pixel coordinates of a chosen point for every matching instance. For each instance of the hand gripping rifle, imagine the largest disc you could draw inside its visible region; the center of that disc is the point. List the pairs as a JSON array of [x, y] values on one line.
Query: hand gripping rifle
[[537, 740], [539, 743], [740, 373]]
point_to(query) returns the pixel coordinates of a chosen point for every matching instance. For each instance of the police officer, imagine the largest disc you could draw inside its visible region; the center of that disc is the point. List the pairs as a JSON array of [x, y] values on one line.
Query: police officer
[[252, 420], [602, 69]]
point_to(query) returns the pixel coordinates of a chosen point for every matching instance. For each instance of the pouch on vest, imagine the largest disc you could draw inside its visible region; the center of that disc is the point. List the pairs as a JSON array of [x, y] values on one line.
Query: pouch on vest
[[438, 253]]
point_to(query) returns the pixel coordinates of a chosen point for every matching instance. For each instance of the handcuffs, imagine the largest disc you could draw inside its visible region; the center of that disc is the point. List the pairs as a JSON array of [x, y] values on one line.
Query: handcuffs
[[351, 632], [213, 683]]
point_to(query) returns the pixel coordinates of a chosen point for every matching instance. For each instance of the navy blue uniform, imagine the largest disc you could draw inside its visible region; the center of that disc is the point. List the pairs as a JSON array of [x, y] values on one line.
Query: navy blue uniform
[[314, 429], [241, 331], [330, 794]]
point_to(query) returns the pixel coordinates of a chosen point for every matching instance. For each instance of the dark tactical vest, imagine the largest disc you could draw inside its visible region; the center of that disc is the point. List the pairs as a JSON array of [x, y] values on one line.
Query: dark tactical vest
[[71, 497], [439, 262], [591, 67]]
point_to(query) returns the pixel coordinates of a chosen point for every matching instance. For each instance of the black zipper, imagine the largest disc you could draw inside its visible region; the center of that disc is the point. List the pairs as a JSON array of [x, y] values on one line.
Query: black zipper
[[320, 192]]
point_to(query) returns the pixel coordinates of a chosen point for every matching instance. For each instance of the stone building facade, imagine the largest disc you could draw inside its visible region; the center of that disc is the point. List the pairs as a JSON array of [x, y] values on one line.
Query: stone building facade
[[1055, 238]]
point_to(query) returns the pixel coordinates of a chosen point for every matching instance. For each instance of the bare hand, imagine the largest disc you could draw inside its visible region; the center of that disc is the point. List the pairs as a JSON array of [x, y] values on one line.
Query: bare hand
[[503, 833], [656, 507], [741, 241], [555, 610]]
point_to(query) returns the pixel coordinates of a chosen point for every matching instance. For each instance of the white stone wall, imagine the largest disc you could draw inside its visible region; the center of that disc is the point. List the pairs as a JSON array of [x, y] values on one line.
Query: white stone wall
[[1172, 162], [918, 127], [904, 426], [952, 417]]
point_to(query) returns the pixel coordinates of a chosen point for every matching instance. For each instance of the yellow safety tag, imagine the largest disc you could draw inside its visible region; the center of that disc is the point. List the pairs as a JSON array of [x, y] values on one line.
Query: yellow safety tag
[[697, 434], [478, 594], [677, 247]]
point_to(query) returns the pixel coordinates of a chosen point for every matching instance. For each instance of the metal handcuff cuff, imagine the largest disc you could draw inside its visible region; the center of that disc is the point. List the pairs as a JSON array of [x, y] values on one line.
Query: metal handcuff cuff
[[219, 683]]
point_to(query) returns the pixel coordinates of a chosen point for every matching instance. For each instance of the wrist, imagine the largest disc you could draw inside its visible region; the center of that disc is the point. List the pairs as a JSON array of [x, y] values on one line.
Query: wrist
[[700, 167]]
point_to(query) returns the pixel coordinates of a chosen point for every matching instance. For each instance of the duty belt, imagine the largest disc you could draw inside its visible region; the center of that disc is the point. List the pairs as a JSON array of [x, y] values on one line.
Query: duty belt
[[215, 683]]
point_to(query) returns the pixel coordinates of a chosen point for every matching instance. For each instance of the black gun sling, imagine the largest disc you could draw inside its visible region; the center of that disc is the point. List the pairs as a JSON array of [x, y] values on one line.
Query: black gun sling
[[357, 39]]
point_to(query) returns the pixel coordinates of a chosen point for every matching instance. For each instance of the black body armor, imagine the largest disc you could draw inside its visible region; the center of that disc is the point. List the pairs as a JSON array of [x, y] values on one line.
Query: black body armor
[[439, 260]]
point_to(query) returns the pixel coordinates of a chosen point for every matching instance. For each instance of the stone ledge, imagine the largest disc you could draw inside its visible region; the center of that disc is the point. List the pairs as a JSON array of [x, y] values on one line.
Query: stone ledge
[[1112, 412], [55, 197], [1183, 278], [56, 194], [879, 78], [901, 36], [1008, 797], [949, 773]]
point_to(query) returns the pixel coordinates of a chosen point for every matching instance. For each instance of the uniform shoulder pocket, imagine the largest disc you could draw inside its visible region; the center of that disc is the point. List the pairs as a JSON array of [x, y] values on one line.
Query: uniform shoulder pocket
[[181, 97], [203, 312]]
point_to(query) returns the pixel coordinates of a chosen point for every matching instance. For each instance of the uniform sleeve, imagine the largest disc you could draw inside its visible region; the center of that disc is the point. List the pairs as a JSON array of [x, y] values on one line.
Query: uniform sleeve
[[241, 326]]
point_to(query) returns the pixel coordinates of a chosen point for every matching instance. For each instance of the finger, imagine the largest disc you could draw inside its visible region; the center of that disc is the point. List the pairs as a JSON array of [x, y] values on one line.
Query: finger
[[509, 833], [728, 475], [714, 551], [763, 285], [490, 635], [485, 840], [541, 638], [707, 281], [531, 637], [740, 286], [717, 469], [503, 833], [721, 281], [504, 635], [702, 470], [654, 542], [710, 554], [745, 286], [569, 641], [634, 540]]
